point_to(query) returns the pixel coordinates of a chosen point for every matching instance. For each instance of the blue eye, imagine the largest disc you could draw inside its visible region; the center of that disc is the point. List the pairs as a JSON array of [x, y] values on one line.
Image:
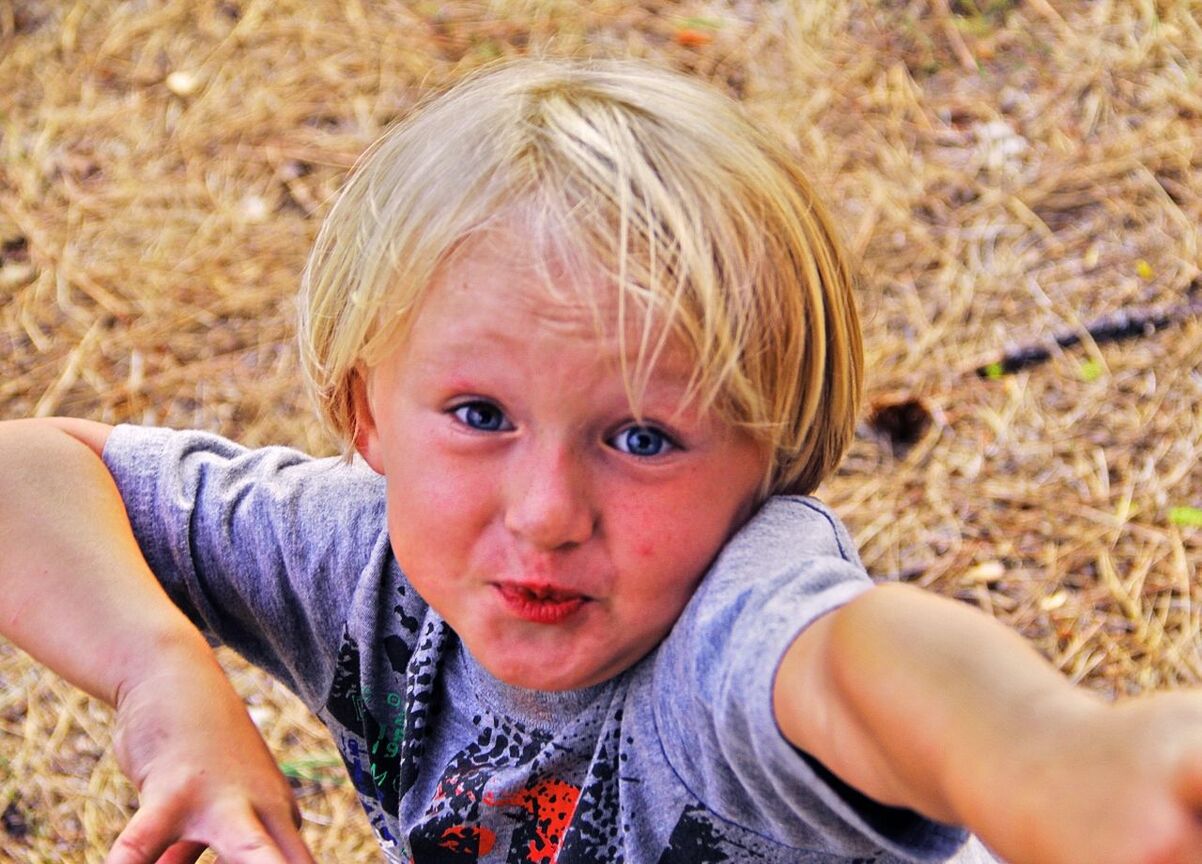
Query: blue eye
[[641, 441], [483, 416]]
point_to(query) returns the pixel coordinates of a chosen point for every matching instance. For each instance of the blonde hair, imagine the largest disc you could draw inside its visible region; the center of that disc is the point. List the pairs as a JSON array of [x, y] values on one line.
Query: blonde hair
[[707, 228]]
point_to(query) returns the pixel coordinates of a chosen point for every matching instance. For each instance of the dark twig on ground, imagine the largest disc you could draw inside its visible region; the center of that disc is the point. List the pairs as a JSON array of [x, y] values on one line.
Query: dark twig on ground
[[1124, 324]]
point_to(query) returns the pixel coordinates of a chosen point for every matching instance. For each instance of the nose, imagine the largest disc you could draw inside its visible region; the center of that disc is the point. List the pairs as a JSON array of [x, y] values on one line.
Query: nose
[[549, 504]]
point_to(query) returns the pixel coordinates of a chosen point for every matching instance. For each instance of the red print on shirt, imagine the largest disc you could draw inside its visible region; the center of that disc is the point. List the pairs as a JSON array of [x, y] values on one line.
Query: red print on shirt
[[551, 803]]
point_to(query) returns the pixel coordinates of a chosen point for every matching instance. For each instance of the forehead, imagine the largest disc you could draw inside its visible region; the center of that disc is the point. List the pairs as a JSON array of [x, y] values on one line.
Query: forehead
[[505, 287], [533, 276], [544, 278]]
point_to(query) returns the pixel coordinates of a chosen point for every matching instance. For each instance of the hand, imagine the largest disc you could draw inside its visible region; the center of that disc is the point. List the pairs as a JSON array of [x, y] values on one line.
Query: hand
[[204, 774], [1111, 784]]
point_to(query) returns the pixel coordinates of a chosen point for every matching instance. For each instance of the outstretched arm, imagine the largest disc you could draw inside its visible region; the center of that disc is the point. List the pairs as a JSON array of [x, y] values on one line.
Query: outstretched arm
[[79, 597], [922, 702]]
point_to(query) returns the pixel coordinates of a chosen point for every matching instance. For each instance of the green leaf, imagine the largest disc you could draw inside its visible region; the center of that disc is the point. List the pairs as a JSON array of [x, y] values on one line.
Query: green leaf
[[1091, 370], [977, 25], [1186, 516], [312, 769], [702, 23]]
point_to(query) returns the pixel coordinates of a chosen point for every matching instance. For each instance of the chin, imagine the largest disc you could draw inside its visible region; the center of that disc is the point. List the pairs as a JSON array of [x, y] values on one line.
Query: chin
[[546, 677]]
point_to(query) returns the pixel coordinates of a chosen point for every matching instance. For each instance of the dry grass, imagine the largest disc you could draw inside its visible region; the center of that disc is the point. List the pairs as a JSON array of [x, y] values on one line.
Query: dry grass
[[1003, 170]]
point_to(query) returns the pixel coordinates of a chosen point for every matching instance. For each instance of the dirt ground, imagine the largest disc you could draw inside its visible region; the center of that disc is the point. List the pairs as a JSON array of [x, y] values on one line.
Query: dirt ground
[[1006, 173]]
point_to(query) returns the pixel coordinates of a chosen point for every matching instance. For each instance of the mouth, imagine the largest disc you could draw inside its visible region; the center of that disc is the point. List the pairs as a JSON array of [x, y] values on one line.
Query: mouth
[[540, 603]]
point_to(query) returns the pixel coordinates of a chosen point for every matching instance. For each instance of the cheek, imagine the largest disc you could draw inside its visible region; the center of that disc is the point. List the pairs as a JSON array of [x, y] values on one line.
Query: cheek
[[436, 513], [672, 533], [645, 527], [429, 482], [647, 522], [660, 544]]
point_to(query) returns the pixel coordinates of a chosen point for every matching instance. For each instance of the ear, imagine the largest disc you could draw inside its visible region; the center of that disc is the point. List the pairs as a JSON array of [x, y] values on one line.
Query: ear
[[367, 438]]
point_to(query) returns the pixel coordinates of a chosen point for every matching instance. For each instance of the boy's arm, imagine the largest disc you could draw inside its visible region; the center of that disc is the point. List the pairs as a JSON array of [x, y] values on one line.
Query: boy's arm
[[63, 535], [922, 702], [79, 597]]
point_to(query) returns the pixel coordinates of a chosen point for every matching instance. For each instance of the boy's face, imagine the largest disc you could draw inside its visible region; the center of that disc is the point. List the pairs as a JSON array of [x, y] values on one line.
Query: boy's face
[[557, 535]]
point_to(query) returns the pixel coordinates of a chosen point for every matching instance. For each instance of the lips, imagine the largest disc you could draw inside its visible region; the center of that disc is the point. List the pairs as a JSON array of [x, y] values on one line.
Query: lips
[[542, 592], [540, 603]]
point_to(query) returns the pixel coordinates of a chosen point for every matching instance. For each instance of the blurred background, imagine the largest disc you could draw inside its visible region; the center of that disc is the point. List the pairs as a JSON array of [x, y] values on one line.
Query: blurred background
[[1018, 181]]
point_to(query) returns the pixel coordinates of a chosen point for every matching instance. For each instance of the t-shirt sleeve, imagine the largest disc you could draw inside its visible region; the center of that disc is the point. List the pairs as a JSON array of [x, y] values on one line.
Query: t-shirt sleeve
[[262, 549], [792, 563]]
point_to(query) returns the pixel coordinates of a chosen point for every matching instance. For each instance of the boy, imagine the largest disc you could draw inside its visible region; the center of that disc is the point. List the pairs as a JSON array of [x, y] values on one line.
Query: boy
[[580, 322]]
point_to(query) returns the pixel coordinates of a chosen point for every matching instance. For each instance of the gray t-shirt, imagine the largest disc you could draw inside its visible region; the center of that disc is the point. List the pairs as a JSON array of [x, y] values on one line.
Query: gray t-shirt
[[677, 760]]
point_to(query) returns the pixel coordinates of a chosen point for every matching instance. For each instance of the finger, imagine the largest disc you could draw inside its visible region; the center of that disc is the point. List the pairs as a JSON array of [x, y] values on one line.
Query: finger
[[147, 836], [240, 838], [285, 831], [186, 852], [1189, 850], [1187, 784]]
